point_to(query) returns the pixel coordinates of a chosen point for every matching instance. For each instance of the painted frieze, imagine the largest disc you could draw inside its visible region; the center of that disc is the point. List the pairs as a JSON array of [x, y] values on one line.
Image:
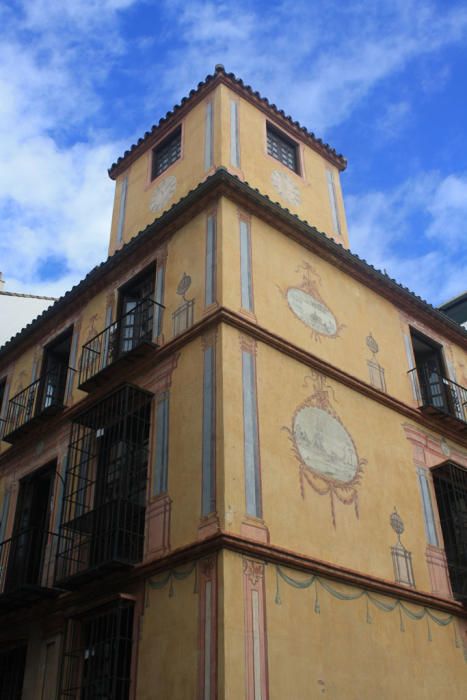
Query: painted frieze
[[326, 453], [401, 557], [162, 193], [286, 187], [182, 317], [306, 302], [376, 371]]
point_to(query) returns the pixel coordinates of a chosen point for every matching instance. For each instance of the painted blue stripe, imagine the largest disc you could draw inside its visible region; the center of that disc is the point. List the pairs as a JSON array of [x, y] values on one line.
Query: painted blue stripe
[[208, 141], [122, 208], [160, 475], [333, 201], [245, 267], [430, 527], [208, 475], [234, 140], [159, 312], [250, 437], [210, 284]]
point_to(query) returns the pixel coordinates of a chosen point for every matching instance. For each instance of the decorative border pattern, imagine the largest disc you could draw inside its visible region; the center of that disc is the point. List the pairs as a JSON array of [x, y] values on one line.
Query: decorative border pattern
[[323, 584]]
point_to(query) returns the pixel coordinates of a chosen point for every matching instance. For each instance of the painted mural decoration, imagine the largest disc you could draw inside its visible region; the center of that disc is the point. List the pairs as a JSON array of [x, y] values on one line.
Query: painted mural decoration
[[182, 317], [286, 187], [401, 557], [306, 302], [376, 371], [162, 193], [326, 453]]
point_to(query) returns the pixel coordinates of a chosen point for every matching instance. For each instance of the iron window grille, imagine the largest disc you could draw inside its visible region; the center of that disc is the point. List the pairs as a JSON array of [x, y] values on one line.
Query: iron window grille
[[167, 152], [103, 516], [450, 482], [282, 149], [97, 656], [439, 394], [12, 664]]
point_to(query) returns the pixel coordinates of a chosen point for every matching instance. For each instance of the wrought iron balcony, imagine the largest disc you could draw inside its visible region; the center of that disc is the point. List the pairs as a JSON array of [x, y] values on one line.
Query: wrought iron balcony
[[27, 567], [41, 399], [104, 505], [441, 397], [126, 340]]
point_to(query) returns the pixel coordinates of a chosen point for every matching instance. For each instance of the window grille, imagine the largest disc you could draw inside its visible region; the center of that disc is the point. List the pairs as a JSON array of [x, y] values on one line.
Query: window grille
[[283, 150], [450, 481], [167, 152], [104, 505], [97, 657], [12, 663]]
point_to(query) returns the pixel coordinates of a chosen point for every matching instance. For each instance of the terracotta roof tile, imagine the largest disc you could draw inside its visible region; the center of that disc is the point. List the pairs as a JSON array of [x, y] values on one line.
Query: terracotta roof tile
[[221, 75]]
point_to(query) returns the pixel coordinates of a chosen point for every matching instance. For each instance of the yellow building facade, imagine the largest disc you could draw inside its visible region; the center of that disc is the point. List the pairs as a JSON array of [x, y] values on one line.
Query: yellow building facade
[[234, 457]]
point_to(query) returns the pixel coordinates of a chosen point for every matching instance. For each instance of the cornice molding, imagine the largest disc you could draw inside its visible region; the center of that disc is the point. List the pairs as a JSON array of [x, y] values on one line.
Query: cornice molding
[[124, 583]]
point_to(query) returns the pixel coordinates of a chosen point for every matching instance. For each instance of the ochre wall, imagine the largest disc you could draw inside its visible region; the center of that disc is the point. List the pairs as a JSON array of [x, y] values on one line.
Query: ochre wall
[[168, 644], [188, 171], [305, 194], [280, 264], [297, 516]]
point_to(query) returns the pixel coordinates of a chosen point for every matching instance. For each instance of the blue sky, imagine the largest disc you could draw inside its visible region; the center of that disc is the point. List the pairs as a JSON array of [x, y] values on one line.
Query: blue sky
[[383, 81]]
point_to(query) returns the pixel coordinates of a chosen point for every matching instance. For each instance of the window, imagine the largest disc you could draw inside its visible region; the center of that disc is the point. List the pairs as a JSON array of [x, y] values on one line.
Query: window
[[55, 370], [450, 481], [12, 663], [282, 149], [97, 658], [23, 556], [166, 153]]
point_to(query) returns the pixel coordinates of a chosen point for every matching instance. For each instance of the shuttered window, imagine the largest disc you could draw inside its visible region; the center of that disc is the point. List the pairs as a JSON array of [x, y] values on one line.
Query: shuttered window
[[167, 152], [283, 150]]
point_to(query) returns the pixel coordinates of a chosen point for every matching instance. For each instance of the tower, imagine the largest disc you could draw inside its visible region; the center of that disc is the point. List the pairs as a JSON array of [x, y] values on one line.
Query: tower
[[234, 456]]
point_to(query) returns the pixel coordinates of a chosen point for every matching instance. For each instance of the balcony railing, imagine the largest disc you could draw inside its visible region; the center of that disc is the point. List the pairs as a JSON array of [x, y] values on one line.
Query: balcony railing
[[42, 398], [126, 339], [27, 562], [440, 396]]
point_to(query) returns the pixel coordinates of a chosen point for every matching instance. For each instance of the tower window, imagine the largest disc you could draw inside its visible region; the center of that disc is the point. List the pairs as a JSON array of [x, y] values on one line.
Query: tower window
[[167, 152], [282, 149]]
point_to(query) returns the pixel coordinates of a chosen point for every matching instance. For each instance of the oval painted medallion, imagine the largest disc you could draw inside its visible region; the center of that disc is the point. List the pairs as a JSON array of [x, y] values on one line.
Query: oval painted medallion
[[311, 311], [324, 444]]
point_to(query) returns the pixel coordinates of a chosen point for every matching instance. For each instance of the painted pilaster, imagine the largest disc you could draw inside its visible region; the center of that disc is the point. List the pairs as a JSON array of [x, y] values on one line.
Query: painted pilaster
[[161, 263], [210, 282], [159, 507], [256, 662], [207, 664], [209, 517], [247, 306], [253, 525]]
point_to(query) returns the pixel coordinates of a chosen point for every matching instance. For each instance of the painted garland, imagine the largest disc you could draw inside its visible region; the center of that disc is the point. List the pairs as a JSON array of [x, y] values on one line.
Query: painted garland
[[326, 453]]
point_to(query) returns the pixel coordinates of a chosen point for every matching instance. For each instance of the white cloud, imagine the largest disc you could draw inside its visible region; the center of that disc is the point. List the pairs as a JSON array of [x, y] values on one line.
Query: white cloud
[[55, 197], [380, 224]]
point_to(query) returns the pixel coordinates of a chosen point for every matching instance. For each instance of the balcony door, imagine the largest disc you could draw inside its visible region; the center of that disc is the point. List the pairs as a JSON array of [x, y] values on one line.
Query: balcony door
[[136, 316], [29, 537], [54, 370], [431, 372]]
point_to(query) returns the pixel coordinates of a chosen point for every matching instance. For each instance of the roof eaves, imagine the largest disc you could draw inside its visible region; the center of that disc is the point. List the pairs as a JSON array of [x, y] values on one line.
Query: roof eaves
[[221, 175], [220, 75]]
